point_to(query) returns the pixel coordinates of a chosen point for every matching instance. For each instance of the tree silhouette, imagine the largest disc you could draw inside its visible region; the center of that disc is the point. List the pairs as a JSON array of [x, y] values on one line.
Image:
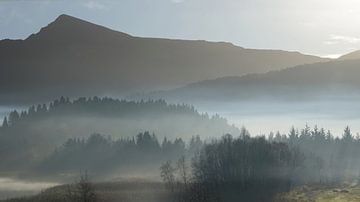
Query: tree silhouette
[[5, 123], [347, 136], [14, 117], [167, 172]]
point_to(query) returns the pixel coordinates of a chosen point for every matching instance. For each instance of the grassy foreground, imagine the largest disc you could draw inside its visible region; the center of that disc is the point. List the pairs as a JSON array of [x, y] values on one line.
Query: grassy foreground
[[142, 191], [133, 191], [341, 193]]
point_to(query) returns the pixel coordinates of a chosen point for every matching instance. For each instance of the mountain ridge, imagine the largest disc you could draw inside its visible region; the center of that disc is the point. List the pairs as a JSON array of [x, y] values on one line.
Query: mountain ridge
[[73, 57], [337, 79]]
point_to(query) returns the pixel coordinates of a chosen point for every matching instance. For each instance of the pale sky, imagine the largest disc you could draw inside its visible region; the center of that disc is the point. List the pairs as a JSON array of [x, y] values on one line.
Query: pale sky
[[319, 27]]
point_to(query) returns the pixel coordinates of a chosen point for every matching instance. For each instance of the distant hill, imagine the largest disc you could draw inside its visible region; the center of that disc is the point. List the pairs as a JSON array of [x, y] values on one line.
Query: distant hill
[[351, 56], [73, 57], [335, 80], [32, 134]]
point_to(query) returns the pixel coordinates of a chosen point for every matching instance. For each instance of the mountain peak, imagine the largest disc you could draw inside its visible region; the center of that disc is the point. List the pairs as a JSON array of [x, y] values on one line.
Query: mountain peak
[[67, 19], [67, 27], [69, 22], [63, 17]]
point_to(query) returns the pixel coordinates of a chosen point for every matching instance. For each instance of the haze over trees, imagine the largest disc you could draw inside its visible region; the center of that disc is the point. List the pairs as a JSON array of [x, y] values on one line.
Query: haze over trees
[[327, 158], [31, 135], [250, 169], [230, 168], [105, 157]]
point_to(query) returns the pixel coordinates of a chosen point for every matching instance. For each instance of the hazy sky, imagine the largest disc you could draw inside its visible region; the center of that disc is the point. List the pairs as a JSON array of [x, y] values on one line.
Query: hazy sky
[[320, 27]]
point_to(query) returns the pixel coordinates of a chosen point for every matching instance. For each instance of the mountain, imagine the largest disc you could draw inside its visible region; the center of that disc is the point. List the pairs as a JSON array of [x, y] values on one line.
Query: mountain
[[73, 57], [335, 80], [351, 56]]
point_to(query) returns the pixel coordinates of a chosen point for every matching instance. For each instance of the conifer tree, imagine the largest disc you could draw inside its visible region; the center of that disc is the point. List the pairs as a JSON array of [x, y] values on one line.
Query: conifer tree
[[5, 123]]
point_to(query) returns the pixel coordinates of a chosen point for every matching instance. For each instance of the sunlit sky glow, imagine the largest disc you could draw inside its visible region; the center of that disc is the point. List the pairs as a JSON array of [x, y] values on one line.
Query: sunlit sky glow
[[319, 27]]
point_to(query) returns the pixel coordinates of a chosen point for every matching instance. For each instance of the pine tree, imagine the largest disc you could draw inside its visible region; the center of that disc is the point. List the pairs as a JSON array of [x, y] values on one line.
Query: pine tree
[[293, 136], [13, 117], [347, 136], [5, 123]]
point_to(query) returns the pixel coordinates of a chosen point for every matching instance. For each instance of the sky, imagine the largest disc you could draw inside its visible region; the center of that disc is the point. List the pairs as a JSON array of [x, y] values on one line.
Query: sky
[[327, 28]]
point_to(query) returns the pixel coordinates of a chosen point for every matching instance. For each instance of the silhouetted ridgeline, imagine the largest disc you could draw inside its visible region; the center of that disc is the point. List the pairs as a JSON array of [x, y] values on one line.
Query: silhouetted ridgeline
[[29, 136], [96, 106], [70, 55], [329, 81]]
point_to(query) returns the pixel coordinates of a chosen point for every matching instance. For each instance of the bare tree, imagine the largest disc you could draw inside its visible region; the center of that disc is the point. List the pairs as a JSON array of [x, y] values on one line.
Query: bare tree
[[82, 191], [183, 171], [167, 172]]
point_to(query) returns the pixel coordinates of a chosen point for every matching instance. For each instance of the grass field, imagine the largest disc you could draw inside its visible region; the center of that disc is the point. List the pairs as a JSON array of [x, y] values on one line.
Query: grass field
[[134, 191], [340, 193], [142, 191]]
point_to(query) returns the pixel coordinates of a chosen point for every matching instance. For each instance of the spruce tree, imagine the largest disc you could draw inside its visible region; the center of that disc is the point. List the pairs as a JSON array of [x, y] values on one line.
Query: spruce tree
[[5, 123]]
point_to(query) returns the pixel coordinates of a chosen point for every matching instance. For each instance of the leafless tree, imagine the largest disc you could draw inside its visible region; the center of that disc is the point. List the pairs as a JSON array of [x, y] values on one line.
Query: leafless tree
[[82, 191], [183, 171], [167, 172]]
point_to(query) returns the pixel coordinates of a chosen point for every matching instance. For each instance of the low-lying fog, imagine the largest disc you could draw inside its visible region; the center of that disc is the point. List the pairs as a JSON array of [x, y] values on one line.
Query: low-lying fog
[[262, 117], [259, 117], [4, 111], [14, 188]]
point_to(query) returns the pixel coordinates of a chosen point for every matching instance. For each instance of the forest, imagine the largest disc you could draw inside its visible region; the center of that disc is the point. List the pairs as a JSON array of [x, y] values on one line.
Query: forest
[[231, 168], [31, 135], [101, 155], [248, 168]]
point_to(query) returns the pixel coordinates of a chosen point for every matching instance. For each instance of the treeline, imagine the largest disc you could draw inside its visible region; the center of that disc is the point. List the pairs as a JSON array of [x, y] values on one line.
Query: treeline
[[100, 106], [257, 168], [327, 159], [101, 154], [234, 169]]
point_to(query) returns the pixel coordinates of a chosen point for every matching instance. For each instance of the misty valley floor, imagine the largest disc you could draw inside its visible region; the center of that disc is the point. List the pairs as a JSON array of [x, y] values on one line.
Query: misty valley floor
[[232, 168], [263, 116]]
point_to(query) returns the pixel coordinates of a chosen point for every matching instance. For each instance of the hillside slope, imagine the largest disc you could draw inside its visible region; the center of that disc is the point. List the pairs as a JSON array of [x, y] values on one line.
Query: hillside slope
[[355, 55], [73, 57], [336, 80]]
